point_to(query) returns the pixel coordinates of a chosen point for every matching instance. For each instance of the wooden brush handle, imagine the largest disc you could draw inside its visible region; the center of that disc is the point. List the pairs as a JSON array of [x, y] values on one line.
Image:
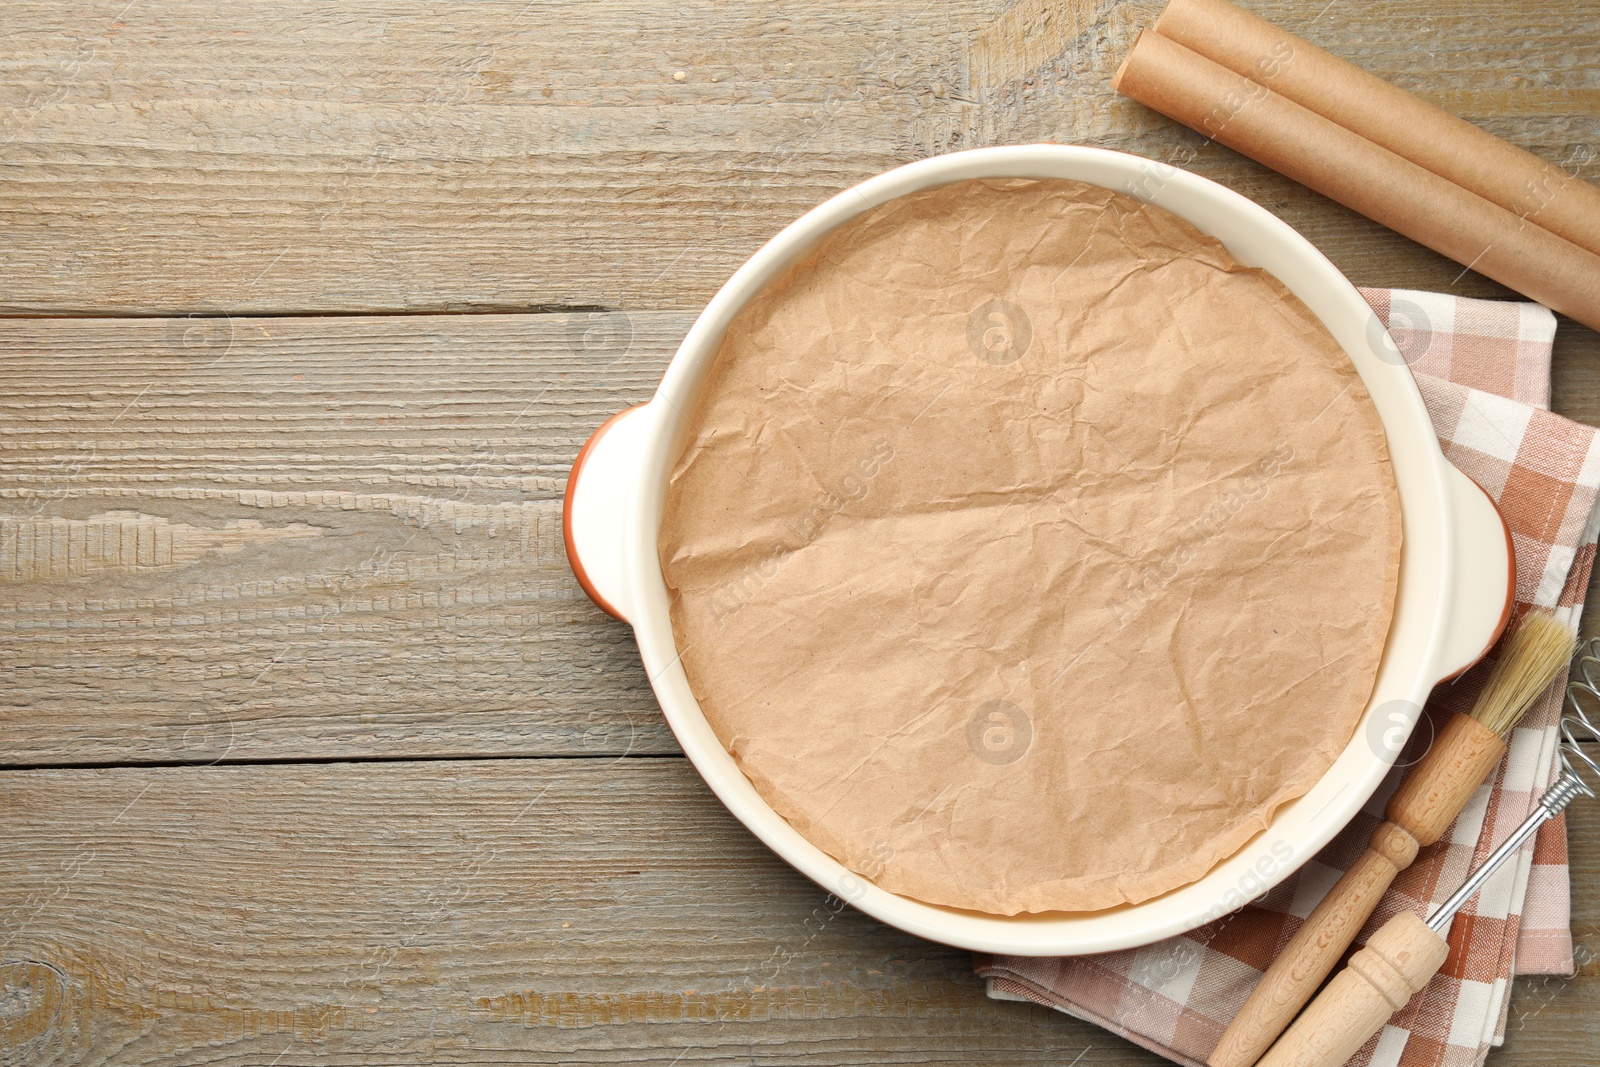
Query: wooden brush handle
[[1315, 949], [1397, 962], [1436, 790], [1426, 803]]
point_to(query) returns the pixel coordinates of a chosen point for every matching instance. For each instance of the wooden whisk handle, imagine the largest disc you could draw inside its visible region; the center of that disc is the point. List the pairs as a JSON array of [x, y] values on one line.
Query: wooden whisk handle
[[1420, 811], [1397, 962], [1315, 949]]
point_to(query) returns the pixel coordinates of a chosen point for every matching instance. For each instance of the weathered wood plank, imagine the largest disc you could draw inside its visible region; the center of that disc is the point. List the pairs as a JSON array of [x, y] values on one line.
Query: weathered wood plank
[[467, 912], [263, 538], [498, 155], [546, 911], [278, 538]]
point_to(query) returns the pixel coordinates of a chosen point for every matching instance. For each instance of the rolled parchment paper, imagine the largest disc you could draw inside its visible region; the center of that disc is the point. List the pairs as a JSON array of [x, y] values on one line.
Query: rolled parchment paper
[[1387, 115], [1365, 177]]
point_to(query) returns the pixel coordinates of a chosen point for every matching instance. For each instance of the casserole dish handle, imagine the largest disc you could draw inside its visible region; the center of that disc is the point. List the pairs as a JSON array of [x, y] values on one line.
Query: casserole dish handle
[[1484, 577], [603, 477]]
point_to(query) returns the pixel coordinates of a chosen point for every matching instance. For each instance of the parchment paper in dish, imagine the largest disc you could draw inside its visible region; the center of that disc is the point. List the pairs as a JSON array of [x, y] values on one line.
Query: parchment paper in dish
[[1030, 551]]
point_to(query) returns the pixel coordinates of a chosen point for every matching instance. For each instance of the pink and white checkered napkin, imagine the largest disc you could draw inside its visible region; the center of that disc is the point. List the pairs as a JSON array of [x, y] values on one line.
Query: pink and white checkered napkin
[[1484, 371]]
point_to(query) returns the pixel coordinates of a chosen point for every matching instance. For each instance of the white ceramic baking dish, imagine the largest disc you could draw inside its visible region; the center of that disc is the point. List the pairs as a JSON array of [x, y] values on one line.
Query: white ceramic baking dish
[[1456, 573]]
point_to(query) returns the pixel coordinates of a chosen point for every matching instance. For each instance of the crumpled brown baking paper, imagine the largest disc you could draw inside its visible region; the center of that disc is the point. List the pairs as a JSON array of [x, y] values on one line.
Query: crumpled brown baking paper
[[1029, 551]]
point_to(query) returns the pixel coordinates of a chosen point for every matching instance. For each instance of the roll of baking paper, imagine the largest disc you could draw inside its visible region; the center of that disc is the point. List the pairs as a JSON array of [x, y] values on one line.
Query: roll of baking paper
[[1387, 115], [1363, 176]]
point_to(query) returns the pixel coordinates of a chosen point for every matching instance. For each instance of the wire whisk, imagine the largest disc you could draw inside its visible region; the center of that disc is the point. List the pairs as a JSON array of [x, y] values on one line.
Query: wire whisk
[[1578, 722], [1579, 777]]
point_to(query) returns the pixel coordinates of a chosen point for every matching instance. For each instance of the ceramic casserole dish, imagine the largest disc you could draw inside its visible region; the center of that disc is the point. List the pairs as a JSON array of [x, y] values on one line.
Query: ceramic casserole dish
[[1456, 573]]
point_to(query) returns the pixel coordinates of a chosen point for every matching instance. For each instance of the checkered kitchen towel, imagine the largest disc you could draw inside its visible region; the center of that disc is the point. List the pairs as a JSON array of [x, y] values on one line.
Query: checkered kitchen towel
[[1484, 370]]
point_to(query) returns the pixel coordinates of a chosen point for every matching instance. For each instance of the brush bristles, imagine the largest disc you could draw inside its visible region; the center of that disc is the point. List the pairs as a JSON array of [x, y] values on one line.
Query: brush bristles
[[1540, 647]]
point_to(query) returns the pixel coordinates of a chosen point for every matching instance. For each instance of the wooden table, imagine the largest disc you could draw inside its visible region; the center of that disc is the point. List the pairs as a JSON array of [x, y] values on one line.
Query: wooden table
[[313, 750]]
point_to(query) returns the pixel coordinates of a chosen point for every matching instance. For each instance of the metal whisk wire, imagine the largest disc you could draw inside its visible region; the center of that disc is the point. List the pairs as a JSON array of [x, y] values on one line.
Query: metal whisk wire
[[1579, 777], [1579, 767]]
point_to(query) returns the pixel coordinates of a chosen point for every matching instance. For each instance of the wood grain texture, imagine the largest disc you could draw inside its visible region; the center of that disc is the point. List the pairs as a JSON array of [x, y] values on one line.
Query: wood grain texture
[[286, 538], [226, 540], [499, 155], [574, 911]]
